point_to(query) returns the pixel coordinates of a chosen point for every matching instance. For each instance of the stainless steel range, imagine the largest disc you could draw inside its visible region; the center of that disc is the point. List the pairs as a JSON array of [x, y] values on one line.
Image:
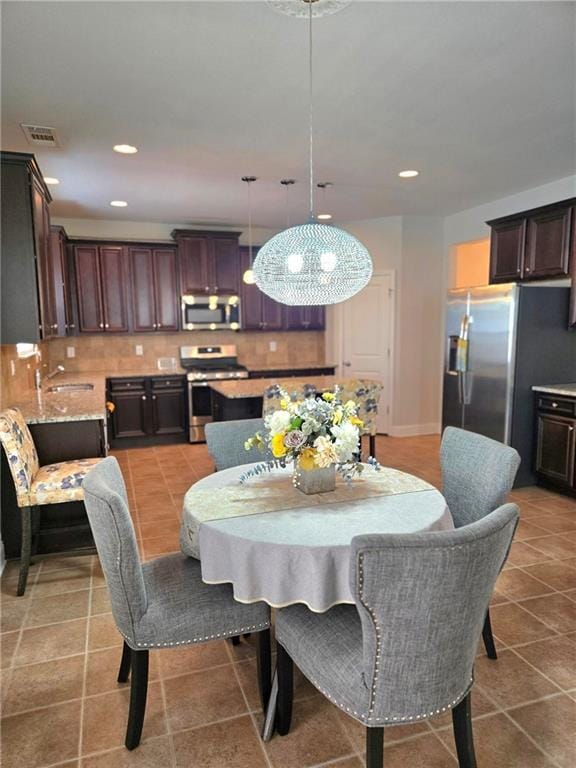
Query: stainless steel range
[[204, 364]]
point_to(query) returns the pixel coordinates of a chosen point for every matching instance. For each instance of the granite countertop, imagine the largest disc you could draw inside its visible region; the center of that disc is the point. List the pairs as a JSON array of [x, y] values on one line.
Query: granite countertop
[[41, 407], [240, 388], [288, 366], [569, 390]]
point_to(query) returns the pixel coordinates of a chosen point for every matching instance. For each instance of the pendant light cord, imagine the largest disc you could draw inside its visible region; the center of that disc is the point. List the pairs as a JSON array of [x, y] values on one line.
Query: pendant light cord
[[311, 112], [250, 222]]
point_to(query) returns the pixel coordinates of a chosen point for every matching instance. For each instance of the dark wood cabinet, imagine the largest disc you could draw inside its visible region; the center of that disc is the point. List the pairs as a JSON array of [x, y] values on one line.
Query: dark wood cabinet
[[27, 300], [154, 289], [304, 318], [572, 311], [548, 244], [101, 288], [259, 312], [63, 313], [555, 462], [507, 251], [147, 410], [209, 262], [533, 245]]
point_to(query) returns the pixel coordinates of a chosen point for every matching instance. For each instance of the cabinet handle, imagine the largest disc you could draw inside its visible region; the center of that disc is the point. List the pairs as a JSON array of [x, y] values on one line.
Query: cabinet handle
[[570, 429], [107, 325], [159, 325], [527, 269], [100, 325], [207, 289], [154, 325], [554, 405], [153, 397], [215, 288], [143, 397], [71, 325]]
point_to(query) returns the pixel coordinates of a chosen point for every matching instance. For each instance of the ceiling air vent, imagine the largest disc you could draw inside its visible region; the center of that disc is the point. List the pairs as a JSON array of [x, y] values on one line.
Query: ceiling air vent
[[40, 136]]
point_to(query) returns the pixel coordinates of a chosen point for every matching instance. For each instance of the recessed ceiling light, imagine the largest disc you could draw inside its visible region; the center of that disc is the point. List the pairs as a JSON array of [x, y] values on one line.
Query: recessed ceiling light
[[118, 203], [324, 216], [125, 149], [51, 180], [408, 174]]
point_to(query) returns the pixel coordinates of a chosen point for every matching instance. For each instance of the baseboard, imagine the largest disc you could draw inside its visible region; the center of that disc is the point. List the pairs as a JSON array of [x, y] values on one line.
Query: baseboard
[[413, 430]]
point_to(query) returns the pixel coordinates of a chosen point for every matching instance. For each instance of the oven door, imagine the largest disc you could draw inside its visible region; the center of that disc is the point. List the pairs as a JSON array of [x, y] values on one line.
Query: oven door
[[210, 312], [199, 408]]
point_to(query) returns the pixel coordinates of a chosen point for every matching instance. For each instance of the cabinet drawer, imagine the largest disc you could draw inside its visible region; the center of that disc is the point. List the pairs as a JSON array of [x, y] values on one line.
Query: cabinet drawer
[[176, 382], [558, 405], [123, 385]]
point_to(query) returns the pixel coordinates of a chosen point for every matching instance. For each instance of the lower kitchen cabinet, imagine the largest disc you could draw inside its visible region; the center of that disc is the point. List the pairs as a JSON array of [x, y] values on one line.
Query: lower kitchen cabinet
[[147, 410], [556, 443]]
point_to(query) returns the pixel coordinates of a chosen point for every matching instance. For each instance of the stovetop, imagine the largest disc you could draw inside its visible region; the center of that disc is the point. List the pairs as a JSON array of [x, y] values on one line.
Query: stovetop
[[211, 363]]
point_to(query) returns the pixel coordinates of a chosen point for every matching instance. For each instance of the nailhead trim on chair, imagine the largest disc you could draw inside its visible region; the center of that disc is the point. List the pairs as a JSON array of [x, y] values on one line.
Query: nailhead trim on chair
[[231, 633]]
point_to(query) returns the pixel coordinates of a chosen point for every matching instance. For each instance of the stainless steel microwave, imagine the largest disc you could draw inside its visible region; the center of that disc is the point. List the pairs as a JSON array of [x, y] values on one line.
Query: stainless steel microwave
[[210, 313]]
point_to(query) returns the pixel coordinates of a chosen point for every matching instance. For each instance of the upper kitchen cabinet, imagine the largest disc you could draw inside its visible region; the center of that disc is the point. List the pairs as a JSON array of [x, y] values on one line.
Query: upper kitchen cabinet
[[304, 318], [101, 287], [58, 261], [532, 245], [154, 289], [27, 297], [209, 262], [259, 312]]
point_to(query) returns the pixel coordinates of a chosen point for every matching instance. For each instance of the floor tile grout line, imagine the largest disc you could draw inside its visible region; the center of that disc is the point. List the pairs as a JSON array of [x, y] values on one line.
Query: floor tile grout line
[[251, 714], [85, 672], [19, 640], [171, 746], [532, 740]]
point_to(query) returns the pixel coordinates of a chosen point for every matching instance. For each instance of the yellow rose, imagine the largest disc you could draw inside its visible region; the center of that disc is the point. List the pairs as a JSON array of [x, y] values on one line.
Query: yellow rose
[[306, 460], [278, 447], [328, 396]]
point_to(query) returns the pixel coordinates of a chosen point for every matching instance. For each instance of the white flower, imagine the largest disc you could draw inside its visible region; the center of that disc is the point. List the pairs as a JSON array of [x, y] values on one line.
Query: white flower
[[278, 421], [346, 440], [326, 454]]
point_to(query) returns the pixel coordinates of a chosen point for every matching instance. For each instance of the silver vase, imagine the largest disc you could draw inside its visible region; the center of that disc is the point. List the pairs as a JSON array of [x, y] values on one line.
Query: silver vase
[[319, 480]]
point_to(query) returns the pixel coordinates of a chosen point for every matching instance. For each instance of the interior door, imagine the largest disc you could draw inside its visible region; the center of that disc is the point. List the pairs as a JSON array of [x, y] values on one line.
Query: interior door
[[367, 339]]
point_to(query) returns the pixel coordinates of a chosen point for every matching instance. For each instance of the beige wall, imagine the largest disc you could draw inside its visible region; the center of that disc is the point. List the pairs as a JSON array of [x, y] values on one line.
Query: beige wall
[[114, 354], [142, 230], [469, 264], [17, 374]]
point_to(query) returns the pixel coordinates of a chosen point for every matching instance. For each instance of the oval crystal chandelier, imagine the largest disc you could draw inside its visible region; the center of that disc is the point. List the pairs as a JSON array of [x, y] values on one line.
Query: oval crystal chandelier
[[313, 263]]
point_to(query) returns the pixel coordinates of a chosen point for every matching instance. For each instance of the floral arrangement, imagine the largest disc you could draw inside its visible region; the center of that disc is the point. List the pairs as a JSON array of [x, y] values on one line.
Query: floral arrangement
[[316, 432]]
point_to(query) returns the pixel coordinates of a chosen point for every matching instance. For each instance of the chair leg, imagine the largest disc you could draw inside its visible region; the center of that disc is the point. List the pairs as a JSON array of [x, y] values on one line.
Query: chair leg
[[373, 446], [462, 722], [285, 669], [264, 664], [489, 638], [25, 549], [138, 691], [375, 747], [235, 640], [124, 671]]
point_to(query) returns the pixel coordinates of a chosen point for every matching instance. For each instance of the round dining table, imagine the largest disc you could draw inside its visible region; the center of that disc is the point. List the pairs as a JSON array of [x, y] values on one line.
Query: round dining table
[[274, 543]]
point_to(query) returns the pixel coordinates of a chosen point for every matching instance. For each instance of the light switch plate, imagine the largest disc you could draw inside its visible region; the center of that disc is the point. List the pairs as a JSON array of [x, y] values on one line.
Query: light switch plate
[[70, 351], [12, 368], [272, 346], [139, 349]]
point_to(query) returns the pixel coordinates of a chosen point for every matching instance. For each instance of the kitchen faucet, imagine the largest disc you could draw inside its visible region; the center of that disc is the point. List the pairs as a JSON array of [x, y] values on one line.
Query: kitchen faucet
[[38, 376]]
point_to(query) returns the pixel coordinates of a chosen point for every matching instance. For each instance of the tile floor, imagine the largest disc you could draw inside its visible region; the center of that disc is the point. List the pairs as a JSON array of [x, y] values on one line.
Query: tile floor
[[60, 652]]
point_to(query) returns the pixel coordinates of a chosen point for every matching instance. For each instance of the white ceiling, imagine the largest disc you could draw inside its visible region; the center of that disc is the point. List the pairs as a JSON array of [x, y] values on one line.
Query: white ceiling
[[478, 96]]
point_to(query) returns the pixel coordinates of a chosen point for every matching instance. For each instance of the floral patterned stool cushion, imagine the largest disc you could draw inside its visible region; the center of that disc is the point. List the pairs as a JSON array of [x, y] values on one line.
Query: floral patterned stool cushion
[[57, 483]]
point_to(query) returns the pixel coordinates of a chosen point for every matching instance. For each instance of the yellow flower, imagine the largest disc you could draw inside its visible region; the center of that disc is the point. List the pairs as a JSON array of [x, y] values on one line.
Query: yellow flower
[[284, 405], [306, 460], [337, 418], [328, 396], [356, 421], [278, 447], [350, 405]]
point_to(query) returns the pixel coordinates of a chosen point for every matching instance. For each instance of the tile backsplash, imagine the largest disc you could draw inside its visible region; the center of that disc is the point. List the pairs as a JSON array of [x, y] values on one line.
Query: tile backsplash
[[19, 363], [115, 353]]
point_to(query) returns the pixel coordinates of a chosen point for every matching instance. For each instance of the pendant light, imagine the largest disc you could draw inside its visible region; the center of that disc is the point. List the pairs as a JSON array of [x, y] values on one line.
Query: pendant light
[[248, 276], [312, 263]]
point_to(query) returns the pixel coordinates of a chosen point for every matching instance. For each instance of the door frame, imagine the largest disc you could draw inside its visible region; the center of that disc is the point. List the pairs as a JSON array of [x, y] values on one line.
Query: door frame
[[337, 345]]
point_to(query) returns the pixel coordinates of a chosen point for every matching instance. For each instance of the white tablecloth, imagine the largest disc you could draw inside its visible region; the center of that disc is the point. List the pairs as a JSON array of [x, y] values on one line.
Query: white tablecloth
[[297, 555]]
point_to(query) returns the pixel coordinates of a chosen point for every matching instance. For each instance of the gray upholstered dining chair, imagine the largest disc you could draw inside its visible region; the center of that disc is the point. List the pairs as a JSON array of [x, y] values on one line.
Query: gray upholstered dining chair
[[162, 603], [225, 442], [405, 651], [477, 475]]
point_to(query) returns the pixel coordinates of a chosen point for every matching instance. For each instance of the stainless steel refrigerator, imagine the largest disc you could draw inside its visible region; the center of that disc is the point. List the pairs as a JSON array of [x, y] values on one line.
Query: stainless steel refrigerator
[[500, 341]]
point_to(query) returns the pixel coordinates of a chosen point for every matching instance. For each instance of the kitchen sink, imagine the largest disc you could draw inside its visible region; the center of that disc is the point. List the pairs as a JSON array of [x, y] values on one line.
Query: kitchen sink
[[70, 387]]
